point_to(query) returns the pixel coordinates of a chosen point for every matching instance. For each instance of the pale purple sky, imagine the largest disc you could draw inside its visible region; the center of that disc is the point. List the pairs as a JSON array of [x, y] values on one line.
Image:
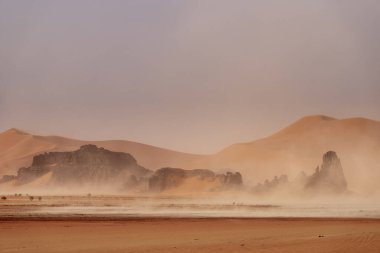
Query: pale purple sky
[[193, 76]]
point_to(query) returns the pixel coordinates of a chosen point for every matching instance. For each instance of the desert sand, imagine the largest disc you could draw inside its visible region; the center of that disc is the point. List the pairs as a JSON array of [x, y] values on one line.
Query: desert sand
[[231, 223], [172, 224], [290, 151], [191, 235]]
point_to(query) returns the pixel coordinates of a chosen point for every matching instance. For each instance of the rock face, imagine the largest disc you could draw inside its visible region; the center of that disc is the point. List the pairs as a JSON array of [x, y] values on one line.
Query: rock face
[[329, 177], [7, 178], [92, 166], [88, 165], [169, 178]]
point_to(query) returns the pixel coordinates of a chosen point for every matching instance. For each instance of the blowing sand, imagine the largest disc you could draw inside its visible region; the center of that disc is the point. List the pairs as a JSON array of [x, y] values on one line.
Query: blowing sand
[[190, 235]]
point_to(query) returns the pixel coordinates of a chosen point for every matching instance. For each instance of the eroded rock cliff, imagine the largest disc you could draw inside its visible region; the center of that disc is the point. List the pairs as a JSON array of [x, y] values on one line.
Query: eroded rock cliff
[[329, 176], [88, 165], [93, 166]]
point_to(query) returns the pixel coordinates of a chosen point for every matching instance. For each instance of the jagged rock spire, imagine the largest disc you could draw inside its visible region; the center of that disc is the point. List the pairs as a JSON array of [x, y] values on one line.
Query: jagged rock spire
[[329, 176]]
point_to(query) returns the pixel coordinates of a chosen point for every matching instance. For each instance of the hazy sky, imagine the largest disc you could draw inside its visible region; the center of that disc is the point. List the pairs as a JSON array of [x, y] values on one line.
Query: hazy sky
[[193, 76]]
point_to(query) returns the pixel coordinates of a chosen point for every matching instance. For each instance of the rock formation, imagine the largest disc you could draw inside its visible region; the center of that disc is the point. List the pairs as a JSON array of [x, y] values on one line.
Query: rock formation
[[88, 165], [93, 166], [329, 177], [169, 178], [7, 178]]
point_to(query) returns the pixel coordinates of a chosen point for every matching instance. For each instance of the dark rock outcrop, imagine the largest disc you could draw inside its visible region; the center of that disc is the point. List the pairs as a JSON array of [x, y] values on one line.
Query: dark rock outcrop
[[93, 166], [168, 178], [7, 178], [231, 178], [329, 177], [88, 165]]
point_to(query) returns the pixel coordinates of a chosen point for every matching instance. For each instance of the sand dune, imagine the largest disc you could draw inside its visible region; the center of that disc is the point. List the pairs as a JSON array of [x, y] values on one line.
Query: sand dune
[[17, 149], [298, 147]]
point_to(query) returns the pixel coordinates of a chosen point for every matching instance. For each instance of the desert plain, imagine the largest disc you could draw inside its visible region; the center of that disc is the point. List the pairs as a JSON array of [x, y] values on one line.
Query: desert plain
[[191, 235], [182, 224]]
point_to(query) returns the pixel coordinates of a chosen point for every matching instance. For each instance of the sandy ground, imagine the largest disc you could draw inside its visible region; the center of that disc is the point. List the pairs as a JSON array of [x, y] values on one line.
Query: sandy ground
[[191, 235]]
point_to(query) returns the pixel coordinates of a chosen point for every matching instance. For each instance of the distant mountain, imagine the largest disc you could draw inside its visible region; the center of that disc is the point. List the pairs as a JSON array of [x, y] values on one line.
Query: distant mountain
[[17, 149], [290, 151]]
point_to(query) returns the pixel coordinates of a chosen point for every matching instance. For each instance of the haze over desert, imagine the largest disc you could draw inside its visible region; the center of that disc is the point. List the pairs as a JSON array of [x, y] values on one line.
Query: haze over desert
[[90, 188], [189, 126]]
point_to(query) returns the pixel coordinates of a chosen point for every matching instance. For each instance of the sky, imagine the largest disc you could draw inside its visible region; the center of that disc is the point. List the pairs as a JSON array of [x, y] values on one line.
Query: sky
[[193, 76]]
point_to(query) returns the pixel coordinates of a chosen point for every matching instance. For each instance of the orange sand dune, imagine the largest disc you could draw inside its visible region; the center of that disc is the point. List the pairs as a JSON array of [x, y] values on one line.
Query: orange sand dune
[[17, 149], [299, 147]]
